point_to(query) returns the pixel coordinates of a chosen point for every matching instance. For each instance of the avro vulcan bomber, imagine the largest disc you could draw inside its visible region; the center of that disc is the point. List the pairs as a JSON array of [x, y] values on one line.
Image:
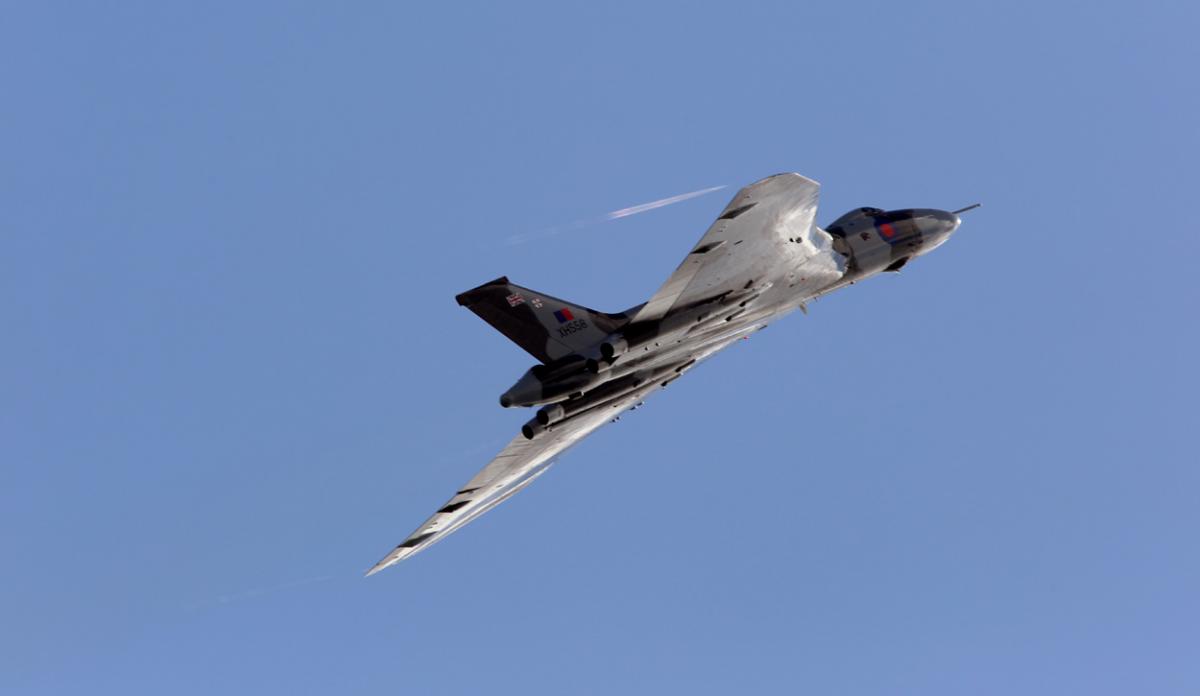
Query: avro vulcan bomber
[[763, 258]]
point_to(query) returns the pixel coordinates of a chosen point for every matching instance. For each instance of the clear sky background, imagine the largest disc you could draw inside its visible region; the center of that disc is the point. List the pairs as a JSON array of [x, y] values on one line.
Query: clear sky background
[[233, 373]]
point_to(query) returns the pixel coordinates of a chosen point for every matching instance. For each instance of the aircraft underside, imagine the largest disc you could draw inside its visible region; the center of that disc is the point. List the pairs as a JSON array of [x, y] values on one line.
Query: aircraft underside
[[763, 258]]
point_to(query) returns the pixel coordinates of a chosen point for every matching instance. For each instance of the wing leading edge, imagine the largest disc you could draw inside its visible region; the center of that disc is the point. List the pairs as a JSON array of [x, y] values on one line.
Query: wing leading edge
[[743, 242]]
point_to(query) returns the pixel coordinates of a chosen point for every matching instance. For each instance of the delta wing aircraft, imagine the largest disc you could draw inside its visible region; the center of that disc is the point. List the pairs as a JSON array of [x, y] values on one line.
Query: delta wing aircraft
[[762, 259]]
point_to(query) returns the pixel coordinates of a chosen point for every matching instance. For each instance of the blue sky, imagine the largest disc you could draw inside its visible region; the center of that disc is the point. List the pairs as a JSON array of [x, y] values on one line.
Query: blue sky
[[234, 375]]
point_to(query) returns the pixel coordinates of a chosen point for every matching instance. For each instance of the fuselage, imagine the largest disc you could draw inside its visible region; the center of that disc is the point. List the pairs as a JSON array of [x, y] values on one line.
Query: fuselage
[[862, 243]]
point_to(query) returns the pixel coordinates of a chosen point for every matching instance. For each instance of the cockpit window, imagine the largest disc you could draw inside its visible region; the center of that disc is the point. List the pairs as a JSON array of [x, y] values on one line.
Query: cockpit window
[[857, 216]]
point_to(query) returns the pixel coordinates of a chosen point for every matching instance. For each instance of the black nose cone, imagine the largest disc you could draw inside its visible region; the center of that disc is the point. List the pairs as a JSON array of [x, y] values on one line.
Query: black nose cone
[[933, 222], [949, 221]]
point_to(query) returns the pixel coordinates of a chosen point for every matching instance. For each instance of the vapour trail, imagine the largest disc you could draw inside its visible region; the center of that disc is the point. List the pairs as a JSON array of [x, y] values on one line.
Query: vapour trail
[[661, 203], [257, 592], [525, 237]]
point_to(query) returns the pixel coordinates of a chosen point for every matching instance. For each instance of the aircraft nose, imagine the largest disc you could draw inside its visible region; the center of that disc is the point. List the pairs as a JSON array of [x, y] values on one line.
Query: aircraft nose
[[935, 226], [946, 222], [941, 223]]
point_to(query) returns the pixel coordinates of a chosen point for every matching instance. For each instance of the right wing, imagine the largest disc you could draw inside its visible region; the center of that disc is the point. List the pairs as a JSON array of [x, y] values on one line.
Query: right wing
[[756, 236]]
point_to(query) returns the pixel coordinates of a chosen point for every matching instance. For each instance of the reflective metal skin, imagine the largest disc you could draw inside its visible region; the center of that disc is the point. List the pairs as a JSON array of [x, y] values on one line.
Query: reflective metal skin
[[763, 258]]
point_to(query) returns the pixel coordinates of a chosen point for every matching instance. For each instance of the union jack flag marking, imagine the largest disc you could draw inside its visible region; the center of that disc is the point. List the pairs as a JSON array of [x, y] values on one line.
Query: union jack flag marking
[[515, 299]]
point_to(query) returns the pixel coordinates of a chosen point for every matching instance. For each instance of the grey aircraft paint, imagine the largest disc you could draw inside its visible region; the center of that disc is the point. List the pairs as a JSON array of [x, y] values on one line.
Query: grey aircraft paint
[[763, 258]]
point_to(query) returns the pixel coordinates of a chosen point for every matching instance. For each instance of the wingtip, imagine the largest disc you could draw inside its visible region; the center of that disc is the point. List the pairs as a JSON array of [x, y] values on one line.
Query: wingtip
[[387, 562]]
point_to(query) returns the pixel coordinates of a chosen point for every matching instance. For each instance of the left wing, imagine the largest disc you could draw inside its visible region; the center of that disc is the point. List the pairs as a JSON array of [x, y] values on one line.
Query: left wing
[[515, 467], [522, 461]]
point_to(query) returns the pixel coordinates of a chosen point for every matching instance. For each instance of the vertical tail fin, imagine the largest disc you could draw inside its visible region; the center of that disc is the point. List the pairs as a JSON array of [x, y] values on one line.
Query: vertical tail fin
[[546, 327]]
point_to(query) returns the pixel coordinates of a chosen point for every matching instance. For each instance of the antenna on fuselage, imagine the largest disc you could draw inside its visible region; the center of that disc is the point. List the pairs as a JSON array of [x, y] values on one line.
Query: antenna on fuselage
[[960, 211]]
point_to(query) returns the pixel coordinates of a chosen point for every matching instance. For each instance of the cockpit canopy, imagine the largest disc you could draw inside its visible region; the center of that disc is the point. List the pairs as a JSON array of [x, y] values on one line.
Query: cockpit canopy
[[837, 227]]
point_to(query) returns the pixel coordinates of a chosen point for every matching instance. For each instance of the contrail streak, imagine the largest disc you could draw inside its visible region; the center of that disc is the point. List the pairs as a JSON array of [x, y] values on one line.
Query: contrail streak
[[257, 592], [614, 215], [662, 202]]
